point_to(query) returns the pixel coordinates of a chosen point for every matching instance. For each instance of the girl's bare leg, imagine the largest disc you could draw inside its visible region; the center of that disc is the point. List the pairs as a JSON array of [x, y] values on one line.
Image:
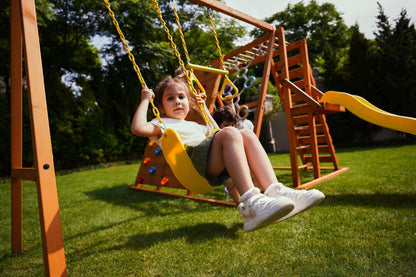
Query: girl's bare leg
[[227, 151], [257, 159]]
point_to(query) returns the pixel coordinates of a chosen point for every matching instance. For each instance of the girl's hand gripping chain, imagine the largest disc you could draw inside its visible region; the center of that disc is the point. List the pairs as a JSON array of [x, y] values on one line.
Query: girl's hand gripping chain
[[198, 103], [147, 94]]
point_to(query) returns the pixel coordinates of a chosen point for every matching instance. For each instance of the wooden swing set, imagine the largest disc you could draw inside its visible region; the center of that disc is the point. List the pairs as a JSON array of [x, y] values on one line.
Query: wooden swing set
[[309, 137], [287, 62]]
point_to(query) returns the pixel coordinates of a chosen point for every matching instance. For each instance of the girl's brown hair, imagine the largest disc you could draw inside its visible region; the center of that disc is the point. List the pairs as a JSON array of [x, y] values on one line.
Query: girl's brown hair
[[225, 113]]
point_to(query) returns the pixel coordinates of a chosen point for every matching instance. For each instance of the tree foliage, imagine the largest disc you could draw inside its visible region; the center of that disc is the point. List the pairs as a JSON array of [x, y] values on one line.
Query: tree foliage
[[323, 27], [92, 93]]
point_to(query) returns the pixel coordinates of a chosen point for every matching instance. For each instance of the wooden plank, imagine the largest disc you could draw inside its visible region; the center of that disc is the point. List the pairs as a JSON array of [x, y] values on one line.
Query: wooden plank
[[16, 110], [51, 231], [322, 178], [206, 200], [24, 173], [220, 7], [286, 99], [308, 99], [306, 139], [307, 72], [300, 84], [294, 60], [258, 118], [296, 73], [322, 159], [316, 93], [292, 46], [314, 147], [329, 141], [301, 109]]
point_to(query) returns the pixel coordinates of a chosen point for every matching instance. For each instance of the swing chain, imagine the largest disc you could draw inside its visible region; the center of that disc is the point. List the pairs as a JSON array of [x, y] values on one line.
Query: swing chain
[[131, 58], [178, 22], [217, 42], [227, 82], [125, 44], [178, 56]]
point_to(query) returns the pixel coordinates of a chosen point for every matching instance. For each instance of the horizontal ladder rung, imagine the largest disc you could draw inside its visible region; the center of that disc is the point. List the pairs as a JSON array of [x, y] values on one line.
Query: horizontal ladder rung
[[307, 139], [322, 159], [303, 147]]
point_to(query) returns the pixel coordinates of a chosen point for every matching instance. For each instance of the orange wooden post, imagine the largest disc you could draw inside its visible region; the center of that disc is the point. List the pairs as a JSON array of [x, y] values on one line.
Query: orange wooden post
[[285, 96], [16, 122], [264, 84], [43, 172]]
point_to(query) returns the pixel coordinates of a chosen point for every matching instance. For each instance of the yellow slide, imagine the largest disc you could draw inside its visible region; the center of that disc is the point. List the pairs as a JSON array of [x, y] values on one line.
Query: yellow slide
[[365, 110]]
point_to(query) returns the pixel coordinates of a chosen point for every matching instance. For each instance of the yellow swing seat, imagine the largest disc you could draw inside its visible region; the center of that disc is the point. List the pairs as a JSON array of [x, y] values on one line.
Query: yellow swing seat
[[181, 165]]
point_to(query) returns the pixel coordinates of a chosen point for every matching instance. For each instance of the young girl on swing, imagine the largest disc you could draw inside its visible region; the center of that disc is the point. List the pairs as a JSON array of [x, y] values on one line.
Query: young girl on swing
[[226, 153]]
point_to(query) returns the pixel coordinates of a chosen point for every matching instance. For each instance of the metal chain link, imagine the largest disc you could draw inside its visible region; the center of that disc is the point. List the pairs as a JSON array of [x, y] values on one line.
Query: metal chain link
[[178, 22], [217, 43], [136, 68], [178, 56]]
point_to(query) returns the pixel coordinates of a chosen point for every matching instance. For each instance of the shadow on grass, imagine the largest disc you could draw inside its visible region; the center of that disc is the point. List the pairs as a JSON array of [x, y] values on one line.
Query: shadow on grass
[[397, 201], [155, 204], [151, 205], [148, 203], [193, 234]]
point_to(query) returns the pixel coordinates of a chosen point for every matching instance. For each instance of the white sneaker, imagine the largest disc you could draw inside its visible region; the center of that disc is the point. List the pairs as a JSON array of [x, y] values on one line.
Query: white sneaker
[[259, 210], [303, 199]]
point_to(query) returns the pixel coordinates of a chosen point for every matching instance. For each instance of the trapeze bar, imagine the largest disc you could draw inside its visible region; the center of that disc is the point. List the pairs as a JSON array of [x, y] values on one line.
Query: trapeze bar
[[207, 69]]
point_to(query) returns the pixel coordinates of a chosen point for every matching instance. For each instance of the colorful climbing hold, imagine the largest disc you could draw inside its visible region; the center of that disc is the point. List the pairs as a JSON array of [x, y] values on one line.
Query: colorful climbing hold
[[164, 181]]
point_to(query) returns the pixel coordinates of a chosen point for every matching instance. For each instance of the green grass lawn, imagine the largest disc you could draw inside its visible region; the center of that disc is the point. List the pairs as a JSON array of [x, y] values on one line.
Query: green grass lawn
[[365, 227]]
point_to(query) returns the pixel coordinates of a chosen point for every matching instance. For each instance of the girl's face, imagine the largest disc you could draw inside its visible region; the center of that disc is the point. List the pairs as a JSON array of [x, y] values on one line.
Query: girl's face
[[175, 102]]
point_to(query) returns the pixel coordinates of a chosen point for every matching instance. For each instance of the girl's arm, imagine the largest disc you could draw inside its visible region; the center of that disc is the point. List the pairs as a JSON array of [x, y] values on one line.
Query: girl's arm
[[140, 126], [197, 101]]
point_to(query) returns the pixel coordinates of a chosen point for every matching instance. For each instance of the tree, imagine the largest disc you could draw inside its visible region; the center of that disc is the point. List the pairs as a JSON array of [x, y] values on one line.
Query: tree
[[395, 65], [356, 78], [323, 27]]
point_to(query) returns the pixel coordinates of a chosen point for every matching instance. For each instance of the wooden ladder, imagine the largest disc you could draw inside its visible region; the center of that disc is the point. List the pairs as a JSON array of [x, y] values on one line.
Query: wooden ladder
[[308, 131]]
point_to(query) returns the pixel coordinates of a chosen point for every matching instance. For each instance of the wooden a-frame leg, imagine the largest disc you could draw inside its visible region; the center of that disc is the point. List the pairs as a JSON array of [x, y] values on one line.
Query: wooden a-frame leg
[[23, 17]]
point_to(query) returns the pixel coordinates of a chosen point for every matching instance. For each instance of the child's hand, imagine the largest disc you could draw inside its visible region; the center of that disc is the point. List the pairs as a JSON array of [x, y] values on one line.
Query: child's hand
[[199, 99], [147, 94], [197, 102]]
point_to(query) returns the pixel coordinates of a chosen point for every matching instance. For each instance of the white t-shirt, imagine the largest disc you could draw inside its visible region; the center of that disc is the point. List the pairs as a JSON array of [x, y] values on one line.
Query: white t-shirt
[[190, 132], [245, 124]]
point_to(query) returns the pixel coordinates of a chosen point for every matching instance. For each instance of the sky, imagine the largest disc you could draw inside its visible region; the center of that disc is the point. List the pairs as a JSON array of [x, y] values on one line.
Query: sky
[[363, 12]]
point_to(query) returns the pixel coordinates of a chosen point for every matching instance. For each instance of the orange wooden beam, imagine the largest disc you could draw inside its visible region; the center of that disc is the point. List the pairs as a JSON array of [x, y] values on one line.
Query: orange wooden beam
[[16, 122], [44, 170], [264, 84], [220, 7]]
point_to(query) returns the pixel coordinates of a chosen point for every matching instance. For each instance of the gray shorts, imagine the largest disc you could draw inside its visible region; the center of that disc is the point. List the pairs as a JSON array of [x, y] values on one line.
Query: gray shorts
[[199, 156]]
